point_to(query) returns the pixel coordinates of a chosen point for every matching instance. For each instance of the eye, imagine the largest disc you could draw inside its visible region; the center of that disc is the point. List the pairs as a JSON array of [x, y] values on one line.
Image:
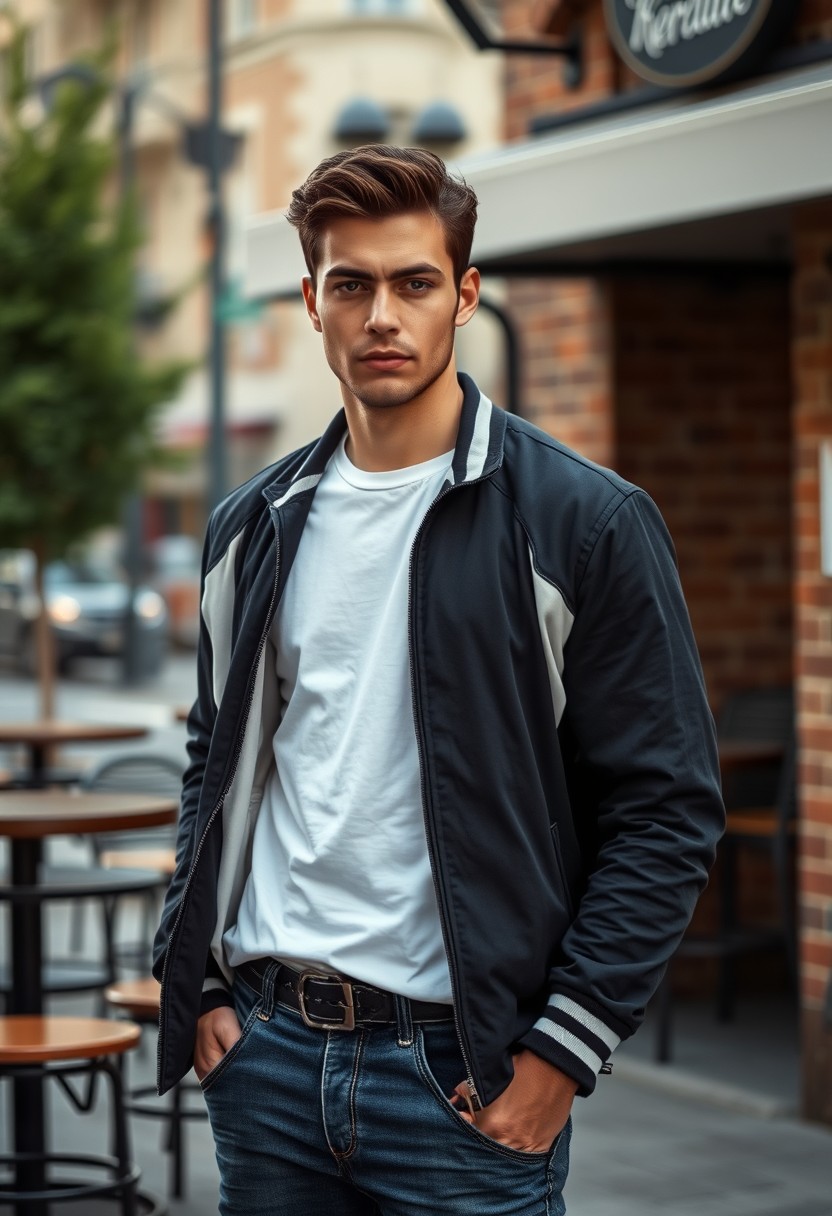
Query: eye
[[419, 285], [349, 288]]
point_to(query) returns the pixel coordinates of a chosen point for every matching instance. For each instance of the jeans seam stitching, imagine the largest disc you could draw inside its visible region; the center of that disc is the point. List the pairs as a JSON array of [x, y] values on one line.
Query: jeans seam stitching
[[353, 1115]]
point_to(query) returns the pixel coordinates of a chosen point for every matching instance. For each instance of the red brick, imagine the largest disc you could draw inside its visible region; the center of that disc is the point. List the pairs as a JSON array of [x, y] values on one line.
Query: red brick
[[816, 953]]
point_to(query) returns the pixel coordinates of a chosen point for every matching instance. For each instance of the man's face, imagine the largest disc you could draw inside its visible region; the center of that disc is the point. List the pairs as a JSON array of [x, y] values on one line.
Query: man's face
[[387, 305]]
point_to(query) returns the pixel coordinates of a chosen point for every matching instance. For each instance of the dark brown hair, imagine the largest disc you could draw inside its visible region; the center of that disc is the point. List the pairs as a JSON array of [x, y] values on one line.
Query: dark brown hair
[[376, 181]]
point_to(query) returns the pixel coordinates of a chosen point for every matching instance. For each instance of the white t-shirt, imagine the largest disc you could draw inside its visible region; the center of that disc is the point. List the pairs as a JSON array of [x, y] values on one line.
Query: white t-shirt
[[340, 874]]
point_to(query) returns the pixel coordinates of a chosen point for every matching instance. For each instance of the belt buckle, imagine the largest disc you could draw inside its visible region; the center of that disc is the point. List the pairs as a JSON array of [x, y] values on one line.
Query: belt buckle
[[309, 1018]]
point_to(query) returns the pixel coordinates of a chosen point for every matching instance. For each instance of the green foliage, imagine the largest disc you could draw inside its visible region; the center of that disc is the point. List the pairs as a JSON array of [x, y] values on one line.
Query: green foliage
[[78, 404]]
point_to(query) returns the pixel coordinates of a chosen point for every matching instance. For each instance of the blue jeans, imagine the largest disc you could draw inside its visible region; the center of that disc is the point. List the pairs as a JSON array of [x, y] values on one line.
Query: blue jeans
[[357, 1123]]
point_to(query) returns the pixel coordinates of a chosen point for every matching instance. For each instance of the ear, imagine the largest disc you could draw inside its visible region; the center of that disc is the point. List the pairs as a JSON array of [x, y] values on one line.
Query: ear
[[309, 299], [469, 296]]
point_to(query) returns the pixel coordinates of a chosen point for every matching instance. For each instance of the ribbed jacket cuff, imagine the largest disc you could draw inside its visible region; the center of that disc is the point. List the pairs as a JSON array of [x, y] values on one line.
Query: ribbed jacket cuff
[[573, 1037], [214, 996]]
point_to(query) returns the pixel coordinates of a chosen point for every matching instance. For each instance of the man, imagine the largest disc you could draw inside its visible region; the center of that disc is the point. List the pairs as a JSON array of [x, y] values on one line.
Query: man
[[453, 790]]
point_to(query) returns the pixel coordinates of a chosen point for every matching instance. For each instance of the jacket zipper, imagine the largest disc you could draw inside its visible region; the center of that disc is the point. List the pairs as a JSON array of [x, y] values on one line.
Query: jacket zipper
[[473, 1092], [238, 747]]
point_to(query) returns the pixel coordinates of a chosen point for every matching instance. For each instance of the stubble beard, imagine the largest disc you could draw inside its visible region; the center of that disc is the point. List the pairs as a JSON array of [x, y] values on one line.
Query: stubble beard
[[390, 394]]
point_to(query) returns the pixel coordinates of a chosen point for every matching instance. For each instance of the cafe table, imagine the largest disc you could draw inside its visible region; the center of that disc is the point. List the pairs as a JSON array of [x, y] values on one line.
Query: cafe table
[[39, 736], [27, 817]]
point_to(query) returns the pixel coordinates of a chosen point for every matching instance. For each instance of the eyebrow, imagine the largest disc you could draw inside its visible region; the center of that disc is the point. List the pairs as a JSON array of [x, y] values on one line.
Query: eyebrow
[[402, 272]]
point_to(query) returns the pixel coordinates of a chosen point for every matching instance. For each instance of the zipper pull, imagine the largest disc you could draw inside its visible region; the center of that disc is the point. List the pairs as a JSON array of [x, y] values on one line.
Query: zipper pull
[[472, 1098]]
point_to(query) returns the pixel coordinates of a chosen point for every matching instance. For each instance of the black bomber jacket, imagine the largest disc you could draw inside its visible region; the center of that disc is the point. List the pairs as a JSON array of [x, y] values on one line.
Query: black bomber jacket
[[569, 773]]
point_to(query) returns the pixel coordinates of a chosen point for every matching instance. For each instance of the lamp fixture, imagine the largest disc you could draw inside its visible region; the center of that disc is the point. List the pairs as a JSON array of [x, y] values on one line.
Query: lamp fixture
[[569, 48]]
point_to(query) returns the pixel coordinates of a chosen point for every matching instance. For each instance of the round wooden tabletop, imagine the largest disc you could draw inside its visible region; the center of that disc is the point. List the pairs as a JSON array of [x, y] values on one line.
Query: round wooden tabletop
[[40, 733], [139, 998], [58, 812], [28, 1038]]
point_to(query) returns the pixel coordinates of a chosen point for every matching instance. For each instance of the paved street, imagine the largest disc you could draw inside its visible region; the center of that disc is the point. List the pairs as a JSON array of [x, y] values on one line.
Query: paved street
[[645, 1144]]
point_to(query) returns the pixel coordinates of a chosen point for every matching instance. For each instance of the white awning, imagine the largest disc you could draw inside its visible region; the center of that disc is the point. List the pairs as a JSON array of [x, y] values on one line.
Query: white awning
[[668, 182], [685, 179]]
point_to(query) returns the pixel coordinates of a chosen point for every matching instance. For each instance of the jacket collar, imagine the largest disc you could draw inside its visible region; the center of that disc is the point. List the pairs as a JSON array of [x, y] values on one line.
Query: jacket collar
[[478, 452]]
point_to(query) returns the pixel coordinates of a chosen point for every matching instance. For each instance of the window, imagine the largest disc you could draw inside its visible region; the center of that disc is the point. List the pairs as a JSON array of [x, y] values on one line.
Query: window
[[242, 18], [383, 8], [141, 33]]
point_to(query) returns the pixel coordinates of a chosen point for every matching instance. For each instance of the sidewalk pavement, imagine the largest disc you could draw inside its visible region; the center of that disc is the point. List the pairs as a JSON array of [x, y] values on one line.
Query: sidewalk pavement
[[640, 1152]]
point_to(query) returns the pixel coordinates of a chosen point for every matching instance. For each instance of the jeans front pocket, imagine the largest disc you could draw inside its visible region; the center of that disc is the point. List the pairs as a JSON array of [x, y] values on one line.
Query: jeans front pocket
[[211, 1077], [441, 1068]]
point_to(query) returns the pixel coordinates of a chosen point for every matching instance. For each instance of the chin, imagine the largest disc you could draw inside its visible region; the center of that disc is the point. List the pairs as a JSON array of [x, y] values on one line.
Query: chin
[[385, 396], [385, 401]]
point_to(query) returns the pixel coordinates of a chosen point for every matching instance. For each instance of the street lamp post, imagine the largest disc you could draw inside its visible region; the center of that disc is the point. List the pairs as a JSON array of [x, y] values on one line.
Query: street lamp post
[[132, 517], [208, 146], [216, 221]]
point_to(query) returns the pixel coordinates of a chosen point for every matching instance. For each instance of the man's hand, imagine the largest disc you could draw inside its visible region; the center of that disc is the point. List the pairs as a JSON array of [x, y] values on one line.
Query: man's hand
[[531, 1112], [216, 1033]]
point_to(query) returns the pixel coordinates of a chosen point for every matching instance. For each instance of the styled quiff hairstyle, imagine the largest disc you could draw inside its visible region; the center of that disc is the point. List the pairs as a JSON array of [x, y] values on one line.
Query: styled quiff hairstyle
[[376, 181]]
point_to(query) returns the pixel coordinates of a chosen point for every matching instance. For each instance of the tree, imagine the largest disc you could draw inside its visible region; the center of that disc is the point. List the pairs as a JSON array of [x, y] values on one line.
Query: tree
[[78, 404]]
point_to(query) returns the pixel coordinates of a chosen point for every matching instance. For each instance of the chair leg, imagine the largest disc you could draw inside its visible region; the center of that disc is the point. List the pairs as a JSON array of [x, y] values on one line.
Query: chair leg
[[177, 1144], [726, 981], [664, 1020], [76, 926], [121, 1138], [783, 867]]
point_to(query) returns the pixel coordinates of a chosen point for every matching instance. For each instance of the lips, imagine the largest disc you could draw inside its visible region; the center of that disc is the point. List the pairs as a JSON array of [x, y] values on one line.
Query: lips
[[385, 361]]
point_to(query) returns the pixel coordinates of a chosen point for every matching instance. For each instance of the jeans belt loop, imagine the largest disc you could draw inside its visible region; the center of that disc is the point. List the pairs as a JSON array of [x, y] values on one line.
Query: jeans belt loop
[[309, 1018], [267, 1003]]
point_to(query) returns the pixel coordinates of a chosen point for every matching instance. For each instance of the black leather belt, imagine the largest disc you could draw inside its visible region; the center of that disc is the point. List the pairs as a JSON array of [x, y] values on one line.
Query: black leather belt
[[333, 1002]]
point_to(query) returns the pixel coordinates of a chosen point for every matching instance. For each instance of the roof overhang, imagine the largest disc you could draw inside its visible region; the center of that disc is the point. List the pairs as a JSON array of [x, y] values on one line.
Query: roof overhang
[[704, 181], [710, 180]]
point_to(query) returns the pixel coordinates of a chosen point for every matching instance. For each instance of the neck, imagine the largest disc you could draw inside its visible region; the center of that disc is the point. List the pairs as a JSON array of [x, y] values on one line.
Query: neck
[[397, 436]]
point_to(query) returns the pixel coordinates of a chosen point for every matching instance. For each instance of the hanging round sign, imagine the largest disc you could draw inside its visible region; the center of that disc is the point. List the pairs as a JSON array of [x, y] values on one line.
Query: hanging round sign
[[678, 43]]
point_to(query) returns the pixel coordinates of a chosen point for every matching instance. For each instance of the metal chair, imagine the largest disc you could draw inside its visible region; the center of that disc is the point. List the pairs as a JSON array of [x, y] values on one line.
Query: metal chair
[[761, 809], [153, 850], [145, 772], [33, 1049], [139, 1001], [74, 884]]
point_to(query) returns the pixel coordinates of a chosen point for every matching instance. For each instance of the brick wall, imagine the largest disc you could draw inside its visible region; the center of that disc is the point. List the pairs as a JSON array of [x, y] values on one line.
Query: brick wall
[[534, 84], [812, 422], [702, 397], [814, 21], [566, 372]]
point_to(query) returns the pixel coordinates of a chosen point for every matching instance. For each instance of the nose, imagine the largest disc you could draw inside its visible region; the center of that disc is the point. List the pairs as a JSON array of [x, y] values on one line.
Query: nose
[[382, 317]]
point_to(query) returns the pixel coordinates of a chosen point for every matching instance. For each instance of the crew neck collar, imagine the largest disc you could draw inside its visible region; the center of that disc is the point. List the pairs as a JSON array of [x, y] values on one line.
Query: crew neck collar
[[388, 479]]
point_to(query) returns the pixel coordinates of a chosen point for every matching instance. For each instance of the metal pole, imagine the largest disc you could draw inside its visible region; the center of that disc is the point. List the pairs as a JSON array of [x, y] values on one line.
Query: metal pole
[[216, 220], [132, 516], [506, 323]]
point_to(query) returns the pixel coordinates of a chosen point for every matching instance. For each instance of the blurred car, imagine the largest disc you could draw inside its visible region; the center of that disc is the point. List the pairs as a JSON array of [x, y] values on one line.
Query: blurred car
[[175, 564], [86, 602]]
